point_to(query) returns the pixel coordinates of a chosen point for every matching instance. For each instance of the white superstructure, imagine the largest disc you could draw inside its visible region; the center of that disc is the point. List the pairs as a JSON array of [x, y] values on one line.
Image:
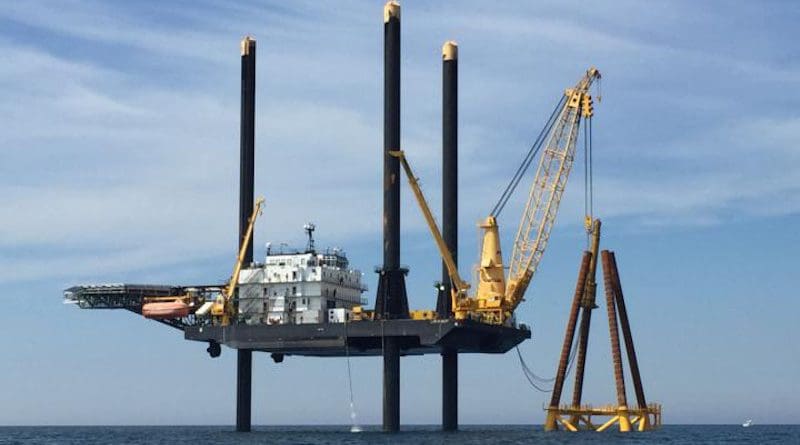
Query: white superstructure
[[300, 287]]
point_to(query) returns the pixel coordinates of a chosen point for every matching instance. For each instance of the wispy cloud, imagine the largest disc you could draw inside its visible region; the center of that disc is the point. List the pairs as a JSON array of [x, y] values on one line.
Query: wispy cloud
[[120, 127]]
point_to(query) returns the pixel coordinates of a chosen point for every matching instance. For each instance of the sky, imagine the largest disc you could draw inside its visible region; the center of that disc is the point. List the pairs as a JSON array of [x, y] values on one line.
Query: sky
[[119, 148]]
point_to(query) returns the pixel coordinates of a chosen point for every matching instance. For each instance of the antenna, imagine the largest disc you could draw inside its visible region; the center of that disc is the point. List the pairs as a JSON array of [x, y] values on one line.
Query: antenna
[[309, 228]]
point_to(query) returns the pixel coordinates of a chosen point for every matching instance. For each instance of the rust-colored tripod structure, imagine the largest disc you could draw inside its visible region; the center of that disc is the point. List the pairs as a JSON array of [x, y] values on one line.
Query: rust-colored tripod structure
[[577, 416]]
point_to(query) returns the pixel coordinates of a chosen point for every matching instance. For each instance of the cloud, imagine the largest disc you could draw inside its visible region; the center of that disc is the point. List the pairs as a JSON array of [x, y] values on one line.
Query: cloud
[[121, 130], [741, 169]]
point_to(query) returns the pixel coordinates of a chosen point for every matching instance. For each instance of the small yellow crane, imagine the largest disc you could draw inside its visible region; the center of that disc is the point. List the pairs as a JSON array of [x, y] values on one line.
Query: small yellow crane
[[223, 310], [173, 307], [460, 287], [498, 295]]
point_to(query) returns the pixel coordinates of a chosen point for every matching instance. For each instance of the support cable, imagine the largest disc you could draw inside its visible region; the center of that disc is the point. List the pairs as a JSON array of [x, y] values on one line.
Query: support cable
[[526, 162]]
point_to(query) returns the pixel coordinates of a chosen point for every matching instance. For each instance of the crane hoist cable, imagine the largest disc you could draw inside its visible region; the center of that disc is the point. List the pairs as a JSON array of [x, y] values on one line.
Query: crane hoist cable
[[588, 180], [585, 171], [591, 170]]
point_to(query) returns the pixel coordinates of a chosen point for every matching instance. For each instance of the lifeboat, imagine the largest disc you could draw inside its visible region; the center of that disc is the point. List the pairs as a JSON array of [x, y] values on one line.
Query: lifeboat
[[165, 310]]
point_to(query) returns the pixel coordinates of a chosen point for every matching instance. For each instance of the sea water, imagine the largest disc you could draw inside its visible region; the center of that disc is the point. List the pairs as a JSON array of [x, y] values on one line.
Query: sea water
[[412, 435]]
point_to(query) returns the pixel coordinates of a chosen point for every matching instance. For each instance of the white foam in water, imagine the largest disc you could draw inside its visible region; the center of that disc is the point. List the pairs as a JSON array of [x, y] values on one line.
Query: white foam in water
[[355, 428]]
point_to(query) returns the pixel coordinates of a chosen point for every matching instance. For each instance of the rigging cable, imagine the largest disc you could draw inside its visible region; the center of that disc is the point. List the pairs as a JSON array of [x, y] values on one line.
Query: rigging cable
[[530, 376], [354, 427], [591, 171], [535, 380], [526, 162], [587, 216]]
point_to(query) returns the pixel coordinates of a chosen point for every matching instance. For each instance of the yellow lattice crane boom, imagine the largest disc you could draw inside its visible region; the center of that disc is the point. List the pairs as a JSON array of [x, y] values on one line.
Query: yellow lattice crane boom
[[548, 187], [497, 295]]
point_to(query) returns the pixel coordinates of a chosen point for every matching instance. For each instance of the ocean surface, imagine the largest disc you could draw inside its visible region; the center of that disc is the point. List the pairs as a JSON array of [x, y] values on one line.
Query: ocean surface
[[416, 435]]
